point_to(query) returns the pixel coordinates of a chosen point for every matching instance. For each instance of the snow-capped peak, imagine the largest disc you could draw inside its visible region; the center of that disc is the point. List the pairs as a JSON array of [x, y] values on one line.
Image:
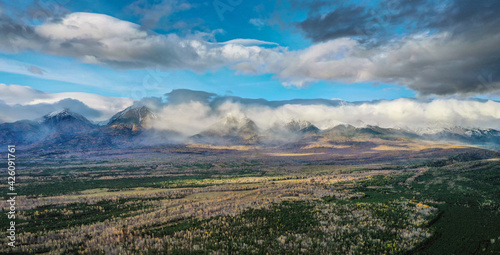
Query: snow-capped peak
[[135, 114]]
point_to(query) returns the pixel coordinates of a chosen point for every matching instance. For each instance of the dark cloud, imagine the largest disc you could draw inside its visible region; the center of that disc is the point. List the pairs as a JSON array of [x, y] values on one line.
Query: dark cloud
[[153, 11], [462, 16], [433, 47], [443, 48], [44, 10], [444, 65], [186, 96], [153, 103], [379, 21], [390, 18], [180, 96], [16, 36], [35, 70], [217, 101], [341, 22]]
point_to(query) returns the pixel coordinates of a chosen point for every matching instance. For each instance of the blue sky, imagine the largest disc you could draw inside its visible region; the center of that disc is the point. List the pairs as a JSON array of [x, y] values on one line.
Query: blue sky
[[356, 51]]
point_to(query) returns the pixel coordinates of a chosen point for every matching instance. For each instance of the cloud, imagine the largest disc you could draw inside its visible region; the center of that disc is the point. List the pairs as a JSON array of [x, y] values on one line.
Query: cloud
[[248, 42], [257, 22], [440, 64], [191, 112], [98, 38], [341, 22], [44, 10], [17, 36], [36, 70], [153, 11], [180, 96], [11, 113], [336, 19], [60, 70], [21, 102], [454, 59], [187, 118], [190, 117], [433, 48]]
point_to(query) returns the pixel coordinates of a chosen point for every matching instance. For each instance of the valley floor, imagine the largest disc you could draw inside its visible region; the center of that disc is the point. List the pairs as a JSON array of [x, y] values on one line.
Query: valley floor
[[345, 199]]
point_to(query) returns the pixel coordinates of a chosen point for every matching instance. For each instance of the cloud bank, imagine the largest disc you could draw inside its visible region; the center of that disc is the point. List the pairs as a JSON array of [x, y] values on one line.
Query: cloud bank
[[22, 102], [192, 118], [436, 56], [194, 111], [191, 112]]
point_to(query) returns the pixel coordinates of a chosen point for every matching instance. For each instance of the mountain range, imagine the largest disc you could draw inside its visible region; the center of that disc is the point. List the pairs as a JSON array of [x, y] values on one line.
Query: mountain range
[[132, 127]]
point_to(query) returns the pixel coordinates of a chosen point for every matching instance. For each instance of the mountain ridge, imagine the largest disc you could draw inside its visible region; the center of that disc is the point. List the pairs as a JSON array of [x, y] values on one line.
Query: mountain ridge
[[132, 126]]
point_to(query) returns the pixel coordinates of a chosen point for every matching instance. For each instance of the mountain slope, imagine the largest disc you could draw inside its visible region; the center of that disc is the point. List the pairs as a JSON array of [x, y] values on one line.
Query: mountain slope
[[22, 132], [131, 120], [350, 132], [301, 127], [67, 122], [230, 129], [131, 127], [467, 135], [290, 132]]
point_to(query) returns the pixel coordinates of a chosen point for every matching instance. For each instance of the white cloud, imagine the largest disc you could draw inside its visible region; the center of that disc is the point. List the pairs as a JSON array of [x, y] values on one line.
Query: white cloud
[[439, 63], [193, 117], [63, 72], [400, 113], [23, 96], [81, 25], [427, 63], [190, 115], [188, 119], [248, 42], [256, 22], [98, 38]]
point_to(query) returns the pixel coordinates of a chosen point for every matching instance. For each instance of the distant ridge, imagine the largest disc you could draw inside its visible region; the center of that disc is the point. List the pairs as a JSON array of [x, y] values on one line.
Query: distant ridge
[[300, 126], [133, 127], [230, 129]]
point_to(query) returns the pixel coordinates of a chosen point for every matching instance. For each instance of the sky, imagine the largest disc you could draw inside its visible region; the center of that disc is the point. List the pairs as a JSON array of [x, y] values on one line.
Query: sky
[[355, 50]]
